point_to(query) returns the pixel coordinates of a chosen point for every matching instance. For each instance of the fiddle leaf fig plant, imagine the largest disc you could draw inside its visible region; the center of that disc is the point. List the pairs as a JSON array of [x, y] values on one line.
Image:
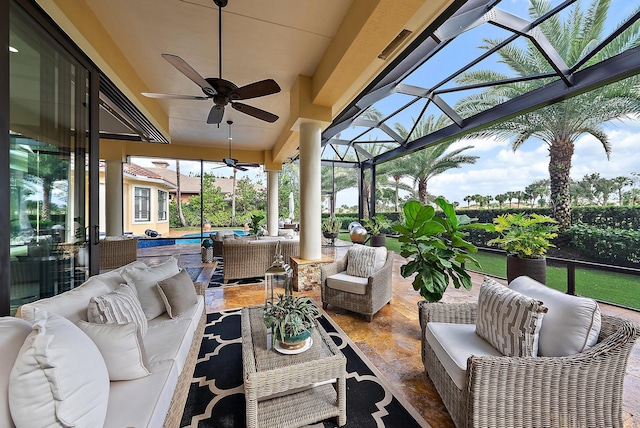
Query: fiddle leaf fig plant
[[436, 248], [256, 219]]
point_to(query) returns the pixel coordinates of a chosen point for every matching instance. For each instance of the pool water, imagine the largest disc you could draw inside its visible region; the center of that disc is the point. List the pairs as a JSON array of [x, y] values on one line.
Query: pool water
[[198, 239], [189, 238]]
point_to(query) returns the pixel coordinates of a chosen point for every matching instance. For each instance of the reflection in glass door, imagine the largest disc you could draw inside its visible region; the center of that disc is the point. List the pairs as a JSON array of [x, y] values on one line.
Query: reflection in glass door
[[49, 144]]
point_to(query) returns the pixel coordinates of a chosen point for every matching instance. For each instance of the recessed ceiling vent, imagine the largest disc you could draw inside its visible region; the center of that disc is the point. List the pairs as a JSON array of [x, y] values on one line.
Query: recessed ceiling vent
[[395, 43]]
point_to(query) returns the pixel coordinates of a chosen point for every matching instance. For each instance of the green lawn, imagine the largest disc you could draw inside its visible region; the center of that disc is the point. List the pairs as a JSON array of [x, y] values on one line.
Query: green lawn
[[617, 288]]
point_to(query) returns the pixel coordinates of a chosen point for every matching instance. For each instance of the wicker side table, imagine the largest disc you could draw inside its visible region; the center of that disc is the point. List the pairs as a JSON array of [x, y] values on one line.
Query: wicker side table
[[290, 390]]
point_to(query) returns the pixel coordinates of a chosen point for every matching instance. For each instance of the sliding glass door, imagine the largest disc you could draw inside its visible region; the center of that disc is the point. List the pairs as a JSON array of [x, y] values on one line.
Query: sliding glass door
[[49, 163]]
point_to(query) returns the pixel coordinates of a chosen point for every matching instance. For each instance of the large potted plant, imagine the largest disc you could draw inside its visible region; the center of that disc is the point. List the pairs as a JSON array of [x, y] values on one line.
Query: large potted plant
[[377, 226], [435, 247], [291, 319], [331, 227], [526, 239]]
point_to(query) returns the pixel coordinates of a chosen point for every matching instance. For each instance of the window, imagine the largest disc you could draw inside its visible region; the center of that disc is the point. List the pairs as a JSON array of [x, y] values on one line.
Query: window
[[142, 204], [162, 205]]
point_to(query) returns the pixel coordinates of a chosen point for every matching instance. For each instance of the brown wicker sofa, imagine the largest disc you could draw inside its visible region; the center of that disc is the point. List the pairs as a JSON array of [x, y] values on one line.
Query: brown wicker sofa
[[580, 390], [248, 258]]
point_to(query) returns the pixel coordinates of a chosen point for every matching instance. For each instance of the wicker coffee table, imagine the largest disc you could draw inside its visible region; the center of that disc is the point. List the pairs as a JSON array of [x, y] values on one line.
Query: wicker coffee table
[[290, 390]]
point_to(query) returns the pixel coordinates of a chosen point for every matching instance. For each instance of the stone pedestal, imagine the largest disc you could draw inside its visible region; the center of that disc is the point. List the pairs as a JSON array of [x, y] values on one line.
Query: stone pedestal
[[306, 273]]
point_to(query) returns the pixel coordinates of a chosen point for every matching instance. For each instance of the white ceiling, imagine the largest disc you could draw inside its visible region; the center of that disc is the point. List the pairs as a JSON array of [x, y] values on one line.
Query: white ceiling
[[277, 39]]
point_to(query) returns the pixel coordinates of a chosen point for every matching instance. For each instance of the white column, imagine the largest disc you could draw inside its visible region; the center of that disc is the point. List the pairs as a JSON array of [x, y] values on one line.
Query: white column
[[113, 198], [272, 202], [310, 212]]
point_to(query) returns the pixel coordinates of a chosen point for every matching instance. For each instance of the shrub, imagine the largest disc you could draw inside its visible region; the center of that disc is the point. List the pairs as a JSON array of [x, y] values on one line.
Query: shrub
[[616, 246]]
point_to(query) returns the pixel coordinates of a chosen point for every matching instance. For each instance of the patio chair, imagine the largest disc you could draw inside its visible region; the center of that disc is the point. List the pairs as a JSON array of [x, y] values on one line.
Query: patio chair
[[363, 295]]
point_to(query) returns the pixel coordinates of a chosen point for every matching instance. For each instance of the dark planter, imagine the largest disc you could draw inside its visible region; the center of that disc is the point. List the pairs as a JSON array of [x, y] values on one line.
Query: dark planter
[[533, 268], [378, 240]]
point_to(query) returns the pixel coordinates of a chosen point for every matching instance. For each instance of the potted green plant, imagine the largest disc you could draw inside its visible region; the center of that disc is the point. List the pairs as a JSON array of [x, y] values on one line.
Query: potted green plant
[[331, 227], [526, 239], [291, 319], [255, 224], [377, 226], [436, 248]]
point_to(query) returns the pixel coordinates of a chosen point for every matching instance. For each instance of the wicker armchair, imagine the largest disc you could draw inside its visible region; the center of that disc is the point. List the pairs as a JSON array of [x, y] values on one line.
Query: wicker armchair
[[117, 252], [582, 390], [379, 290]]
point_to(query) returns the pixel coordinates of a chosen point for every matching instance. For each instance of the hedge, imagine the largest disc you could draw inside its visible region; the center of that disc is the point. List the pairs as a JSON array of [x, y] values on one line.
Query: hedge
[[614, 246]]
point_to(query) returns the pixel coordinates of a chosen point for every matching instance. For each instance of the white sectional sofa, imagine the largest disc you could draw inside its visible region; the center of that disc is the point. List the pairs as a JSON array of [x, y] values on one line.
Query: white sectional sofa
[[160, 367]]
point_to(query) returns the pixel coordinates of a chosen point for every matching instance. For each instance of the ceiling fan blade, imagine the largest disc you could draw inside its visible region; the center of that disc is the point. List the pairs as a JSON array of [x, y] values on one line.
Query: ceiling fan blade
[[256, 89], [188, 71], [255, 112], [240, 168], [173, 96], [215, 114], [248, 165]]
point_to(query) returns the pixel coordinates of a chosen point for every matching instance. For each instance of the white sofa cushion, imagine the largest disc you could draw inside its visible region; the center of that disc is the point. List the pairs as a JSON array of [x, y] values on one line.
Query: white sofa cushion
[[144, 402], [121, 306], [453, 344], [72, 304], [572, 324], [508, 320], [145, 281], [121, 348], [361, 260], [13, 332], [59, 378], [178, 293], [351, 284]]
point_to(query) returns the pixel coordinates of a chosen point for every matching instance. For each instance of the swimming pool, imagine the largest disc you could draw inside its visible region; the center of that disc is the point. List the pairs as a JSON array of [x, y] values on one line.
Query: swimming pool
[[189, 238], [204, 235]]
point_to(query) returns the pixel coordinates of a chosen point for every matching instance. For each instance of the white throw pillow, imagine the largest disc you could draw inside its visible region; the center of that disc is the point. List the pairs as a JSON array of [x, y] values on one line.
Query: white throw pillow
[[572, 324], [361, 260], [59, 378], [145, 281], [121, 347], [13, 332], [508, 320], [121, 306], [381, 258], [178, 293]]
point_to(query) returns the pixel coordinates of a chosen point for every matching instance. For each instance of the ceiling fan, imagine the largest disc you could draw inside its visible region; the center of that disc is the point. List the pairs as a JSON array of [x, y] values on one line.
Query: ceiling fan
[[233, 163], [221, 91]]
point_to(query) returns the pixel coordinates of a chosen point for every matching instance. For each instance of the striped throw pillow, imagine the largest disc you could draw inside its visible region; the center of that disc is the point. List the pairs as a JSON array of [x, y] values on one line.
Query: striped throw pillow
[[508, 320], [361, 260], [121, 306]]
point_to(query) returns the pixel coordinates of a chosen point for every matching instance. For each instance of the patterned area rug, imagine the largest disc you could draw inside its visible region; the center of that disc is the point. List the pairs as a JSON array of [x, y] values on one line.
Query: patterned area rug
[[216, 396], [218, 275]]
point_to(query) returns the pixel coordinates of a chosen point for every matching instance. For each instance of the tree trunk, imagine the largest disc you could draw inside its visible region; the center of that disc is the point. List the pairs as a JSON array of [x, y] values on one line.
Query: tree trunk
[[560, 153], [45, 213], [181, 219], [397, 199], [422, 191]]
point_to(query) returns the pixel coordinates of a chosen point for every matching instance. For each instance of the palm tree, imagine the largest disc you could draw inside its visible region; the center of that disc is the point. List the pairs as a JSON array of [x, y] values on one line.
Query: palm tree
[[559, 125], [619, 183], [426, 163], [394, 171], [468, 200]]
